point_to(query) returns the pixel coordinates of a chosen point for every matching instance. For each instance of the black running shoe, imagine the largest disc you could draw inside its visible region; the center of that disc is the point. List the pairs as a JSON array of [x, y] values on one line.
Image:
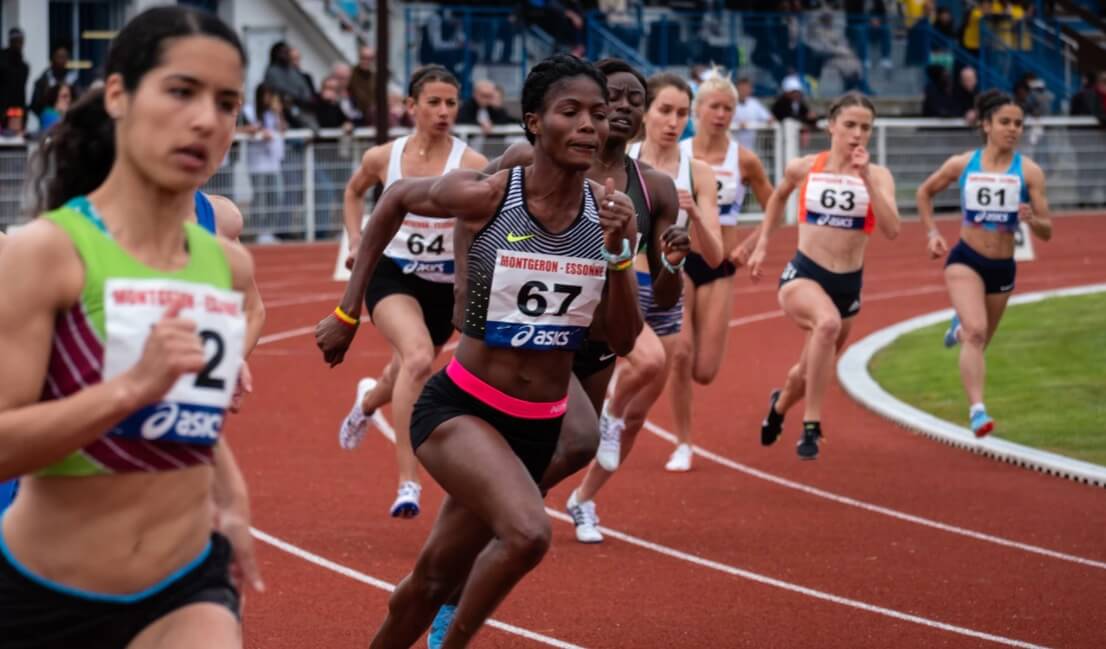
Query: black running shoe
[[808, 445], [772, 425]]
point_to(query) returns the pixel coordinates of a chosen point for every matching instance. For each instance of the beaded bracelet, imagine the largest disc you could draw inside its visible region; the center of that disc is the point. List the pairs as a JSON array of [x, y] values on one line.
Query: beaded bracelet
[[622, 265], [612, 258]]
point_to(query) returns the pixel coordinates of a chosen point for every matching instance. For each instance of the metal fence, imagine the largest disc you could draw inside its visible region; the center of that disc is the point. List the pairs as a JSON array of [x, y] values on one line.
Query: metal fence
[[304, 200]]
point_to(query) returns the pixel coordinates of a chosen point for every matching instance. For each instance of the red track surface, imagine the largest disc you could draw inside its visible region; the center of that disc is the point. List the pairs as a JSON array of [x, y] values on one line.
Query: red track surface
[[333, 503]]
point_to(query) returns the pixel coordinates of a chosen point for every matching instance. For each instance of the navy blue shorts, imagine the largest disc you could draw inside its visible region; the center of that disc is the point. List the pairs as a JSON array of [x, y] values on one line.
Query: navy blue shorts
[[40, 614], [997, 274], [700, 273], [593, 357], [434, 298], [842, 288]]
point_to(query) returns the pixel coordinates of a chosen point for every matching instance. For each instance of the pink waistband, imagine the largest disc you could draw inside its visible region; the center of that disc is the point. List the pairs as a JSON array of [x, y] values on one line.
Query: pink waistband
[[504, 403]]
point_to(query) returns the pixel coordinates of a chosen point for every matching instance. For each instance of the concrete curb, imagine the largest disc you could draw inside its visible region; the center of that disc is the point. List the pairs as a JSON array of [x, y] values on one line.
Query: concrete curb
[[852, 371]]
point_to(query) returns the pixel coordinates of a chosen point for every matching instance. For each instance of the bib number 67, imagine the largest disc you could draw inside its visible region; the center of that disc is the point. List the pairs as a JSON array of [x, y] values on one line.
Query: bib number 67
[[533, 302]]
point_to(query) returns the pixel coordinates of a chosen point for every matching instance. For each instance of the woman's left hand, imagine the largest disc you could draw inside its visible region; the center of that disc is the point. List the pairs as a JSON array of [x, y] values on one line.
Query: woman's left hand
[[616, 211], [235, 526], [675, 244]]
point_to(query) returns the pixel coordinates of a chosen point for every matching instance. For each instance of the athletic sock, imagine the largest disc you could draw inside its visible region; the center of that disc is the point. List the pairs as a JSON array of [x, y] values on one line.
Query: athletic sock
[[976, 407]]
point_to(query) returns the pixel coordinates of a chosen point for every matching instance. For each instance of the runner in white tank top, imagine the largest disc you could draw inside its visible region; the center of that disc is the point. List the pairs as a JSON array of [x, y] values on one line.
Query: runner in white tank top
[[410, 297], [708, 304]]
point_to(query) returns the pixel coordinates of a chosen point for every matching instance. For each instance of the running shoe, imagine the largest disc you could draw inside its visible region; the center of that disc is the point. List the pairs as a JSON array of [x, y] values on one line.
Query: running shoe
[[680, 460], [440, 626], [982, 424], [772, 425], [406, 504], [808, 445], [586, 520], [356, 423], [609, 452], [950, 333]]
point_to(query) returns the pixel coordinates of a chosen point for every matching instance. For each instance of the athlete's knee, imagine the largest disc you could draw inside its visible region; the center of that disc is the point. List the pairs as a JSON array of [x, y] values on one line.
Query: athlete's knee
[[707, 365], [578, 446], [827, 327], [796, 376], [417, 363], [681, 353], [527, 538], [974, 334]]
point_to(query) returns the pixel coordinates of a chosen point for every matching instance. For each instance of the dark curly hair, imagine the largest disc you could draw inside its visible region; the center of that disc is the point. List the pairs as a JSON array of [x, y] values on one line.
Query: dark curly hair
[[549, 72], [613, 66], [79, 152], [987, 103], [429, 74]]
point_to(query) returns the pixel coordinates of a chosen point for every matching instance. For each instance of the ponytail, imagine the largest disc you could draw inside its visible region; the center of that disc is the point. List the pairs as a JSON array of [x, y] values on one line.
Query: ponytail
[[76, 155]]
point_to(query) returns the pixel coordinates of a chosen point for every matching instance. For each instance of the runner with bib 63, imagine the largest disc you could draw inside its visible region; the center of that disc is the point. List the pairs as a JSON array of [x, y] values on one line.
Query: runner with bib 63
[[842, 198], [999, 187]]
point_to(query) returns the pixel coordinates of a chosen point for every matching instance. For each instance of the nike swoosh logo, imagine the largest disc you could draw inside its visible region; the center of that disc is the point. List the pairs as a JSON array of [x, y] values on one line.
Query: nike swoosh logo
[[515, 238], [606, 357]]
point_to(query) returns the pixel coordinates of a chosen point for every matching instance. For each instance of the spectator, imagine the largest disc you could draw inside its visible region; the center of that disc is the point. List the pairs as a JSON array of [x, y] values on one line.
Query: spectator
[[940, 97], [398, 115], [773, 50], [484, 108], [56, 101], [1034, 97], [296, 59], [827, 46], [329, 107], [867, 20], [13, 83], [342, 74], [1091, 100], [965, 93], [297, 97], [748, 112], [264, 121], [791, 104], [362, 84], [443, 42], [58, 73], [562, 19]]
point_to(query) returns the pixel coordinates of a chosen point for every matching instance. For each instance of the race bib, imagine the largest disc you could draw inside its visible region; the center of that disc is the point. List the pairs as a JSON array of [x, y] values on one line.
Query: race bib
[[992, 199], [192, 411], [542, 301], [424, 247], [836, 201]]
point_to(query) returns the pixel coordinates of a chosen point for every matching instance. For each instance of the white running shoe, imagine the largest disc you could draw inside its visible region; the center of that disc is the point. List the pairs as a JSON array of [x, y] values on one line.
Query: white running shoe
[[609, 453], [406, 504], [584, 516], [680, 460], [356, 423]]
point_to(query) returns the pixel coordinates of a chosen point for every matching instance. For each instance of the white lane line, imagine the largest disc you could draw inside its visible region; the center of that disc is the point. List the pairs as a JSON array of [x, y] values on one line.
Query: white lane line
[[355, 575], [386, 429], [877, 509], [302, 299], [795, 588]]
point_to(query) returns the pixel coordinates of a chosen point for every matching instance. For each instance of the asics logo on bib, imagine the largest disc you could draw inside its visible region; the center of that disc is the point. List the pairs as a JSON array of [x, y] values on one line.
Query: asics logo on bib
[[515, 238], [169, 421], [415, 266], [835, 221], [540, 338]]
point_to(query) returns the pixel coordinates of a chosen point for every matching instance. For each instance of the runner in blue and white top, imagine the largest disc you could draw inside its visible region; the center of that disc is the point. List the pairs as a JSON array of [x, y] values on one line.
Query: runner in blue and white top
[[410, 297], [999, 189]]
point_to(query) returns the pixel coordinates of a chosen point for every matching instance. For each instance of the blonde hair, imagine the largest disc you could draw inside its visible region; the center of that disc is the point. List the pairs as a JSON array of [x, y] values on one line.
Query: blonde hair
[[715, 81]]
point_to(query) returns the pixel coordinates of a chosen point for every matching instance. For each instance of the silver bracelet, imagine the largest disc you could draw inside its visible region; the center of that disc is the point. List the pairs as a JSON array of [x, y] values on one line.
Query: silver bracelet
[[669, 267]]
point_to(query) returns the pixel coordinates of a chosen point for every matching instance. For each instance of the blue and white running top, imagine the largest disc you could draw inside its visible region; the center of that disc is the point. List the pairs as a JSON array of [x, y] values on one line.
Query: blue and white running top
[[990, 200], [423, 246]]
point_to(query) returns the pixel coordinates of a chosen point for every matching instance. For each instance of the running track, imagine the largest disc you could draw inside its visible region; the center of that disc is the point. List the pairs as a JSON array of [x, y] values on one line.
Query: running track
[[888, 539]]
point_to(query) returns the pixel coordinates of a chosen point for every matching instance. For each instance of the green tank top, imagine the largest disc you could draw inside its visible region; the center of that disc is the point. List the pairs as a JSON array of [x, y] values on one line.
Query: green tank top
[[104, 333]]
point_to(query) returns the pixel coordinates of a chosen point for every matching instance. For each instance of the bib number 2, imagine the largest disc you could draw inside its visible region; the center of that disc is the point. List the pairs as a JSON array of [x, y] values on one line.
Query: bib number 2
[[205, 378]]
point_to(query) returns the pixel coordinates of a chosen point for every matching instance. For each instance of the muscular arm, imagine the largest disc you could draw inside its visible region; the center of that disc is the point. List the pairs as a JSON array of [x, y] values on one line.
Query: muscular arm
[[1040, 221], [754, 175], [666, 204], [773, 211], [937, 182], [228, 223], [369, 173], [706, 230], [518, 154], [622, 312], [35, 434]]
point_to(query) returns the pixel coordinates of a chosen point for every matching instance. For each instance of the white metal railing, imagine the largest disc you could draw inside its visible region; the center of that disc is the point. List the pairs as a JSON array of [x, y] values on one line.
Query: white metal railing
[[304, 200]]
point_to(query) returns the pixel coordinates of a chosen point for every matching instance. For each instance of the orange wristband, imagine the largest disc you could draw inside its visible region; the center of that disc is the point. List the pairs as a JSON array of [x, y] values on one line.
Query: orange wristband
[[344, 317]]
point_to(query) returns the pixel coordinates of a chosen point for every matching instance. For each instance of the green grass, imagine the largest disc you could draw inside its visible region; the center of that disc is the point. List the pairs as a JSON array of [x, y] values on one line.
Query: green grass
[[1046, 376]]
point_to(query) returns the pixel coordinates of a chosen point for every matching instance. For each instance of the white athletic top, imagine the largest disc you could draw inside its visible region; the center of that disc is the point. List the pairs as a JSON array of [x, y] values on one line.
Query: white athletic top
[[731, 191], [683, 175], [423, 245]]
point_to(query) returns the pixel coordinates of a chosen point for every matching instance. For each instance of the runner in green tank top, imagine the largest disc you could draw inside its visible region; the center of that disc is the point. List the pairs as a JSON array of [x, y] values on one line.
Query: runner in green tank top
[[121, 357]]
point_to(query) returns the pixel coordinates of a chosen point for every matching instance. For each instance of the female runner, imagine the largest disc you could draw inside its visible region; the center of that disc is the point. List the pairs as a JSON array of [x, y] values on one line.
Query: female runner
[[999, 187], [842, 198]]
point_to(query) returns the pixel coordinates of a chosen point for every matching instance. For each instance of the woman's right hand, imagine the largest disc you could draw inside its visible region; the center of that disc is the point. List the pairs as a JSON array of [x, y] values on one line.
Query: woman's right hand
[[936, 246], [756, 260], [333, 337], [351, 254], [172, 349]]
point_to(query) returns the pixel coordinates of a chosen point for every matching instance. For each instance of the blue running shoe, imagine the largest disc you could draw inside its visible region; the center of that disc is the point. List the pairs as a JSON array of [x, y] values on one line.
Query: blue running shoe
[[440, 626], [982, 424], [950, 333]]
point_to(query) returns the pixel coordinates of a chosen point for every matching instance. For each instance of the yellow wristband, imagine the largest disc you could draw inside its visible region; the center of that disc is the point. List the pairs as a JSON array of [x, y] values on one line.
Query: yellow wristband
[[351, 321], [622, 265]]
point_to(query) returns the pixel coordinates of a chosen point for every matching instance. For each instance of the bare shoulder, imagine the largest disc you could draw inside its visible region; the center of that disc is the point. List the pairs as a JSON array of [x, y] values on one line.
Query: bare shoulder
[[473, 159], [1031, 170], [376, 158], [228, 218], [700, 169], [518, 154], [43, 250], [798, 168], [883, 174]]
